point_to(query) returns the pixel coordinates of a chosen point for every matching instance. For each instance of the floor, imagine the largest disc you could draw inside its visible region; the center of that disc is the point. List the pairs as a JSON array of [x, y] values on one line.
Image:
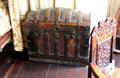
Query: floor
[[28, 69], [117, 60], [4, 64]]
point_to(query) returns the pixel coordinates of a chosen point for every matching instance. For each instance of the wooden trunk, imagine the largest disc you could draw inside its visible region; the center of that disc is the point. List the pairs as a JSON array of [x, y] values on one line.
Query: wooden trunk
[[58, 36]]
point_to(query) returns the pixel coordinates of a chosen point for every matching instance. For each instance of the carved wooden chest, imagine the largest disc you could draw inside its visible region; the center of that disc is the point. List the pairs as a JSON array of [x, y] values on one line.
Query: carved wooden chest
[[58, 35]]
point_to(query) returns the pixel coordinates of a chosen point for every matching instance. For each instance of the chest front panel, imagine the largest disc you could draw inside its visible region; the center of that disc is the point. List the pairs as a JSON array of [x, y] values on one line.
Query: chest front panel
[[56, 38]]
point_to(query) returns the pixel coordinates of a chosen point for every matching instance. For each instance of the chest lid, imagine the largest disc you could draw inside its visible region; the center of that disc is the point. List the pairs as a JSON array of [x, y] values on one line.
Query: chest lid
[[62, 17]]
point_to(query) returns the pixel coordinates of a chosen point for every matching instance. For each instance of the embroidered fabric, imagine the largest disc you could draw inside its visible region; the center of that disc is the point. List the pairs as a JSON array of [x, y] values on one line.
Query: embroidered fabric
[[101, 42]]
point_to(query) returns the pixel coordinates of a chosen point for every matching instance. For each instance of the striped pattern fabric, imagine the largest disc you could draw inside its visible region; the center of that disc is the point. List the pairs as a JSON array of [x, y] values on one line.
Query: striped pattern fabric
[[5, 27], [5, 39]]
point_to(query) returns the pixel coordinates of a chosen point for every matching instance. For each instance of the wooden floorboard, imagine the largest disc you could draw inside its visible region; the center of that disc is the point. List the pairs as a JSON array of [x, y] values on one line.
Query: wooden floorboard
[[24, 70], [29, 69], [81, 72], [14, 69], [117, 60], [37, 68], [2, 74], [71, 72], [61, 71], [4, 64], [52, 70]]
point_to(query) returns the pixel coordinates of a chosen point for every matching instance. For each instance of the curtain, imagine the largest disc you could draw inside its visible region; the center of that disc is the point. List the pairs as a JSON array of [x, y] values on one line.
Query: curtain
[[34, 5], [65, 3], [113, 6], [5, 33], [4, 18], [23, 9], [16, 25]]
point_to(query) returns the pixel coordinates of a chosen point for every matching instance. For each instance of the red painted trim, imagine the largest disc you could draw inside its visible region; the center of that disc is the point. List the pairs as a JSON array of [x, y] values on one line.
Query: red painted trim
[[4, 38]]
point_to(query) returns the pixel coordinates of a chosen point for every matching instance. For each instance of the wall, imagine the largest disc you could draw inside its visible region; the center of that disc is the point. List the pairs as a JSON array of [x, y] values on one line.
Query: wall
[[113, 6]]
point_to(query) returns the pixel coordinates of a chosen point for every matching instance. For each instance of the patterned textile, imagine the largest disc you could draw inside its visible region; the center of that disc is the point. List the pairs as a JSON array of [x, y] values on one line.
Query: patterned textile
[[16, 26], [5, 39], [5, 33], [101, 42], [24, 9], [4, 19]]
